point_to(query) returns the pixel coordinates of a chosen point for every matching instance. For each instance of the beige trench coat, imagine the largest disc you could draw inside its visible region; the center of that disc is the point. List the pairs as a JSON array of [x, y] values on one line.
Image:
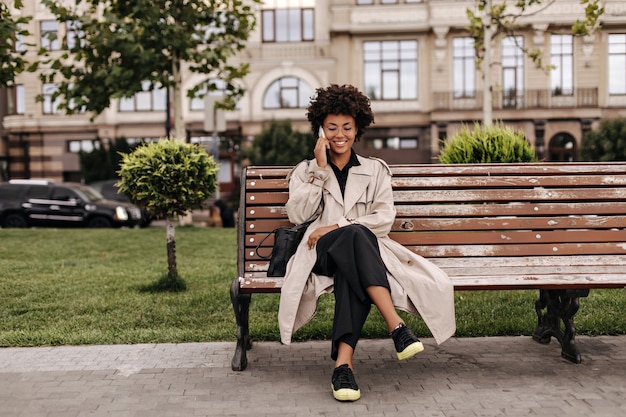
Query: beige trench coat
[[417, 286]]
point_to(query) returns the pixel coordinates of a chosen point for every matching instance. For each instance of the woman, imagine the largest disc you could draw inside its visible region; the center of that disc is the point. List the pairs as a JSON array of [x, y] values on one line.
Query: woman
[[347, 250]]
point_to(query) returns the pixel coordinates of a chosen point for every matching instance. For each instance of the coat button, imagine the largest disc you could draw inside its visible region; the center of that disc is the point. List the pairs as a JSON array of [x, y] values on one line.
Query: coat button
[[410, 262]]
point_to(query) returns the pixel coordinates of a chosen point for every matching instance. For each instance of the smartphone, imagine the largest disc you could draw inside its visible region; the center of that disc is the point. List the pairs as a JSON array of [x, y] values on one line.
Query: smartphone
[[320, 133]]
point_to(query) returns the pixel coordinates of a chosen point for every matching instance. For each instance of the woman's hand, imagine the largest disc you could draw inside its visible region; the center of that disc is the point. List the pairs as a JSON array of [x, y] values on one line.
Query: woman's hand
[[318, 233], [321, 146]]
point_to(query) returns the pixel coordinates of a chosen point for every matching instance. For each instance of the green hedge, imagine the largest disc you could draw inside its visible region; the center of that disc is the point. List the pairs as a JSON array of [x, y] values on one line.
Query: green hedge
[[495, 143]]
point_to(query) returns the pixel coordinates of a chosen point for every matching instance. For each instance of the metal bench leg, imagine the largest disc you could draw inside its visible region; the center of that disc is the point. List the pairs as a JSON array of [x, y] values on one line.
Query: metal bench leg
[[241, 307], [560, 306]]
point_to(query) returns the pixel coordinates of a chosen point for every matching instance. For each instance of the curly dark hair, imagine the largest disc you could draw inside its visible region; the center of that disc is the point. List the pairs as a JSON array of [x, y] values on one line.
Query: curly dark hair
[[336, 99]]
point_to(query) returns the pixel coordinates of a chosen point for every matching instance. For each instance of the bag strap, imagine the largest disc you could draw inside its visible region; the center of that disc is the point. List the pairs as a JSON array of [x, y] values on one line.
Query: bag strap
[[260, 243], [295, 228]]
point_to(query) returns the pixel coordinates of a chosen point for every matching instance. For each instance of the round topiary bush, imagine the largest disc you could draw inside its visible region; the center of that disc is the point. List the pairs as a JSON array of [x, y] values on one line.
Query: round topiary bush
[[168, 177], [495, 143]]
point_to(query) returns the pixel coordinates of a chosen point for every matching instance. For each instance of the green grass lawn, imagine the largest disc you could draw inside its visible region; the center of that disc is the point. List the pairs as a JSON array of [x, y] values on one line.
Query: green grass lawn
[[93, 286]]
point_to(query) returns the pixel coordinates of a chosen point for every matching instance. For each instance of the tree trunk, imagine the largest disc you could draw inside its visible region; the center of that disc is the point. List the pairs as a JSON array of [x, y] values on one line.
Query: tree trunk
[[172, 272], [179, 126]]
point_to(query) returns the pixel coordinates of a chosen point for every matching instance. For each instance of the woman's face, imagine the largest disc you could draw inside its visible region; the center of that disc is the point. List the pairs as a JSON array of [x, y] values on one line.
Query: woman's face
[[340, 130]]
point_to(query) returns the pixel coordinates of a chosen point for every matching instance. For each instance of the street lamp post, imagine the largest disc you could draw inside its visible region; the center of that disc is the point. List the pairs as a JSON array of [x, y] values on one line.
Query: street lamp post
[[487, 98]]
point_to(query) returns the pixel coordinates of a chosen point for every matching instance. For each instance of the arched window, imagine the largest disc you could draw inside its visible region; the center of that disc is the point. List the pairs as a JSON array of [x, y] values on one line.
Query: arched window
[[562, 148], [287, 93]]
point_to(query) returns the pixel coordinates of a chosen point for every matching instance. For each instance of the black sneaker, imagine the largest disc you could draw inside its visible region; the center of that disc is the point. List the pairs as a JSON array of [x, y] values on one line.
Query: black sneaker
[[407, 344], [343, 384]]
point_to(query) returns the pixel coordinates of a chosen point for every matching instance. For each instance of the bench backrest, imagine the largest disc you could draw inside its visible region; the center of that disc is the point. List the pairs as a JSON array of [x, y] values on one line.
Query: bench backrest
[[461, 215]]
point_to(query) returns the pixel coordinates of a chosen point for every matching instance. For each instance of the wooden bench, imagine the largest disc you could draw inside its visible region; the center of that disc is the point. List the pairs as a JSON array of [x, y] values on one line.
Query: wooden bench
[[555, 227]]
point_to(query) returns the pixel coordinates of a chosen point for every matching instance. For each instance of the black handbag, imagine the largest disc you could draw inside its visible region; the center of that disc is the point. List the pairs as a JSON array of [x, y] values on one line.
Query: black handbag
[[286, 241]]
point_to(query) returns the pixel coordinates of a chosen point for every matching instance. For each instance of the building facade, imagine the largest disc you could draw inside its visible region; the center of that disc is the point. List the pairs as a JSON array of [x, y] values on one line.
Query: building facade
[[413, 58]]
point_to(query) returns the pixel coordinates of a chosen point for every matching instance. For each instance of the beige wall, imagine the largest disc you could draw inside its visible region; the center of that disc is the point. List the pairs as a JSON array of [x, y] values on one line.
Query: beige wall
[[335, 56]]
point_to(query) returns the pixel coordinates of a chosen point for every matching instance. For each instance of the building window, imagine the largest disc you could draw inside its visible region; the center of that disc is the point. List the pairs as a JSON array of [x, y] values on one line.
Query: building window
[[464, 67], [287, 93], [16, 99], [288, 21], [512, 70], [19, 38], [134, 142], [49, 35], [74, 34], [390, 70], [617, 64], [146, 100], [562, 61], [392, 143], [369, 2], [50, 106], [85, 145]]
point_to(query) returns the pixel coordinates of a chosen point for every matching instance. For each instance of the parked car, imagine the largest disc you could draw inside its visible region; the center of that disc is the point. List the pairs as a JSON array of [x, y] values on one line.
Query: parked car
[[25, 203], [108, 189]]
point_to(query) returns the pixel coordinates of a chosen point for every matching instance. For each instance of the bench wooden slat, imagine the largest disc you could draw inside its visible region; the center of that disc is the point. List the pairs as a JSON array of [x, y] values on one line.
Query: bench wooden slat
[[467, 283], [468, 224], [489, 237], [416, 232], [509, 237], [442, 182], [266, 198], [571, 261], [510, 195], [539, 281], [511, 209], [519, 169], [471, 196], [508, 223], [518, 250], [474, 210], [475, 271], [508, 182], [496, 266], [440, 251]]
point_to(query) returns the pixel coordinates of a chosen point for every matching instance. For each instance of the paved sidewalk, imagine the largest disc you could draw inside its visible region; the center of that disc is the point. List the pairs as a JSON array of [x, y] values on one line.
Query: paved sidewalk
[[497, 376]]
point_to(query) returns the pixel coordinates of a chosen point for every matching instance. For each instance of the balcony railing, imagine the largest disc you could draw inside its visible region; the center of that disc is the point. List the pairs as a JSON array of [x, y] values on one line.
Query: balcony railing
[[526, 99]]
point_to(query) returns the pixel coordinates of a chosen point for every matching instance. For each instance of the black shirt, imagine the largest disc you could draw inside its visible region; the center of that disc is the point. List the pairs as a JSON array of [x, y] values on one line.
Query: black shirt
[[342, 174]]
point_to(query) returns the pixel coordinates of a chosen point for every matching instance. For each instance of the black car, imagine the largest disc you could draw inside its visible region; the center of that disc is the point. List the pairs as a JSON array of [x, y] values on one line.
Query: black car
[[25, 203], [108, 189]]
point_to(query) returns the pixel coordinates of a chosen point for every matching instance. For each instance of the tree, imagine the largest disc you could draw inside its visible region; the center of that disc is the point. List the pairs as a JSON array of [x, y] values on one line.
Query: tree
[[280, 145], [606, 144], [495, 143], [168, 178], [492, 21], [12, 30], [121, 44]]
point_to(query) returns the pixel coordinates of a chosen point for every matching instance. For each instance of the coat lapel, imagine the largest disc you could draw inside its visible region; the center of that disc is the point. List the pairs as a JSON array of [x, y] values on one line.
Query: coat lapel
[[358, 180], [333, 188]]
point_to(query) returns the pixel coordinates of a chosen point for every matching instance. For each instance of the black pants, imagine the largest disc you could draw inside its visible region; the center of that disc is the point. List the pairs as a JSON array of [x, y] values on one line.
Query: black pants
[[351, 255]]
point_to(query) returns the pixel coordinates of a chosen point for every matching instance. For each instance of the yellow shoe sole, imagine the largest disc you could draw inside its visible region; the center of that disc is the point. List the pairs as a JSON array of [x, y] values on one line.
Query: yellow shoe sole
[[410, 351], [346, 394]]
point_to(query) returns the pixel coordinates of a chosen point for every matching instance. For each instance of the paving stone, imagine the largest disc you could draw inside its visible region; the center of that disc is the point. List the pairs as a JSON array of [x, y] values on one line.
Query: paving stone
[[484, 377]]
